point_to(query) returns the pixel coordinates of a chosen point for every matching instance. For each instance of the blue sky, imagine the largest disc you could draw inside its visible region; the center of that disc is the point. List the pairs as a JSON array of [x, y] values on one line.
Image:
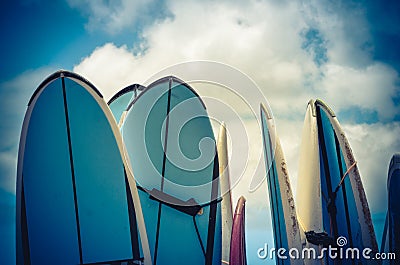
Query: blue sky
[[345, 52]]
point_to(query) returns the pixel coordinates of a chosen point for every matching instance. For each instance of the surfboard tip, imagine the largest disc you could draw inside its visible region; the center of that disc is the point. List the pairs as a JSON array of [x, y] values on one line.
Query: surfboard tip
[[266, 111], [59, 74]]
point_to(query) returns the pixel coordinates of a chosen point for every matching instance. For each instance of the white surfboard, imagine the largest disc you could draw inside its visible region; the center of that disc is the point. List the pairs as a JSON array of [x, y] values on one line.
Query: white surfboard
[[332, 206], [226, 204]]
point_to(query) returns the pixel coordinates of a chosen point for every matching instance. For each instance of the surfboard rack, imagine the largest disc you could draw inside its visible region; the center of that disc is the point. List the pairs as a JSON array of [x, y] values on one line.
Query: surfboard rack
[[190, 207], [320, 239]]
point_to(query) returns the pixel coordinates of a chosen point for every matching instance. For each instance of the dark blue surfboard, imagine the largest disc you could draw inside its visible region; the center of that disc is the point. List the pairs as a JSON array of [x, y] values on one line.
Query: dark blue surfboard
[[74, 200], [391, 233], [332, 206], [172, 149], [120, 101], [338, 199]]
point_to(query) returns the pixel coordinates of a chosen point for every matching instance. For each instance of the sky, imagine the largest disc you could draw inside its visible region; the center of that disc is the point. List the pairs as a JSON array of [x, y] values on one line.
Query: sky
[[344, 52]]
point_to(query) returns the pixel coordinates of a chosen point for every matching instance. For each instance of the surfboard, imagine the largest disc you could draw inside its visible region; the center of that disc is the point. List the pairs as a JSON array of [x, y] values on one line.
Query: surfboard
[[226, 203], [171, 146], [332, 206], [238, 240], [391, 234], [77, 201], [283, 212], [120, 101]]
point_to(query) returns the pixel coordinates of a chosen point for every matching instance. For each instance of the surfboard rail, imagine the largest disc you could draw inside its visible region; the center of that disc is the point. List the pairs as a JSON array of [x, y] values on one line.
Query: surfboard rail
[[286, 227], [225, 183]]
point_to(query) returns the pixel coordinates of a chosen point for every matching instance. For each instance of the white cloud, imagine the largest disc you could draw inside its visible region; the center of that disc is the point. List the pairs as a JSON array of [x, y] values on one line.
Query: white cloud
[[373, 146], [371, 88], [109, 68], [266, 41], [246, 37]]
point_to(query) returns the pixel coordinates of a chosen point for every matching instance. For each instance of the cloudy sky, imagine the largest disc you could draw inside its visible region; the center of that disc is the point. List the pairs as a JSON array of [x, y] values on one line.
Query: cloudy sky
[[344, 52]]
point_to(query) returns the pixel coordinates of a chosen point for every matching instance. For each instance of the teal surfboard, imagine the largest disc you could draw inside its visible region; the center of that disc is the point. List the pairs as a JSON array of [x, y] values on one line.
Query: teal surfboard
[[286, 228], [332, 206], [121, 100], [77, 201], [171, 146]]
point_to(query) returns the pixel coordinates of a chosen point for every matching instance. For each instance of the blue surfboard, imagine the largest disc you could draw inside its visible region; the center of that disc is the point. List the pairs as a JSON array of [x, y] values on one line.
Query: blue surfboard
[[286, 228], [332, 205], [121, 100], [391, 233], [171, 146], [74, 195]]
